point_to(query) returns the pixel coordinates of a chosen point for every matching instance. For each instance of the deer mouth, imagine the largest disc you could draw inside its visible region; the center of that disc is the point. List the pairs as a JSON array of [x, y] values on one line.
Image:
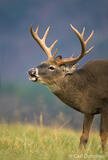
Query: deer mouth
[[33, 77]]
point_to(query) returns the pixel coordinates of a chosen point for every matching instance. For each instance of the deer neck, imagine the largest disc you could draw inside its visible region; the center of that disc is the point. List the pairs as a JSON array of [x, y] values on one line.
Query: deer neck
[[54, 88], [68, 92]]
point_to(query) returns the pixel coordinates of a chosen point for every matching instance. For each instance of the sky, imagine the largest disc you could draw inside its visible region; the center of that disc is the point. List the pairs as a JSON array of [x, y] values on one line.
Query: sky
[[18, 50]]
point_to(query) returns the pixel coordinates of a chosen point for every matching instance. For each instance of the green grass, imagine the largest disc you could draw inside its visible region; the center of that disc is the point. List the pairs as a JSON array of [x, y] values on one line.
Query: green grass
[[29, 142]]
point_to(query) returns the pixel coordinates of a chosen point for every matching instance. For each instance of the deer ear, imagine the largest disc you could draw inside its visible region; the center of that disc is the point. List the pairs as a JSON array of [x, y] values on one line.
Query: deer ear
[[58, 57]]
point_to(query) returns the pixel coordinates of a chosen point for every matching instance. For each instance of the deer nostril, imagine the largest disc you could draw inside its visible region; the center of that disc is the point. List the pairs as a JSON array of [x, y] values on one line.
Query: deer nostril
[[32, 72]]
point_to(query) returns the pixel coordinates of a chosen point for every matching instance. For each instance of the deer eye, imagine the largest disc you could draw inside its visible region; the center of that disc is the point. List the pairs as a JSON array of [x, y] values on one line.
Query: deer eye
[[51, 68]]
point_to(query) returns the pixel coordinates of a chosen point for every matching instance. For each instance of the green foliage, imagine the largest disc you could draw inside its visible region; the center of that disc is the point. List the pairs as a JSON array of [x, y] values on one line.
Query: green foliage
[[28, 142]]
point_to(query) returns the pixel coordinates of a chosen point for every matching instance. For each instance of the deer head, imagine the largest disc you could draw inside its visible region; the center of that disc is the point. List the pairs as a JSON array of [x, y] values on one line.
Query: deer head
[[56, 68]]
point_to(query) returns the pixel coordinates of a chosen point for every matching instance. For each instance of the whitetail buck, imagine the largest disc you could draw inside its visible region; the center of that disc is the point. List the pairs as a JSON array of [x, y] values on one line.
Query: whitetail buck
[[84, 89]]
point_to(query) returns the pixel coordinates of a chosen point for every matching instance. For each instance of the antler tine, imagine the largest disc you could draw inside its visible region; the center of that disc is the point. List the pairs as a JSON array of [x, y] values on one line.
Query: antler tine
[[52, 46], [83, 32], [36, 29], [46, 33], [55, 53], [86, 42], [88, 39], [83, 45], [41, 42], [89, 50]]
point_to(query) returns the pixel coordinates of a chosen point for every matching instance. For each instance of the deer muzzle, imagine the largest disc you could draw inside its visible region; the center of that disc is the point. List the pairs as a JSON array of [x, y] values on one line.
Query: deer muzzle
[[33, 73]]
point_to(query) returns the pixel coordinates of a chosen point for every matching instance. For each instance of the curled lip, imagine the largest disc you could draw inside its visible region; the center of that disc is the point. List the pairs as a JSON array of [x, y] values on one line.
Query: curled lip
[[32, 77]]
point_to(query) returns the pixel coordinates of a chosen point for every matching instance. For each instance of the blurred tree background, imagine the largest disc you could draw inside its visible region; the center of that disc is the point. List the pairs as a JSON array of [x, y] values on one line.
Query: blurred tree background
[[21, 100]]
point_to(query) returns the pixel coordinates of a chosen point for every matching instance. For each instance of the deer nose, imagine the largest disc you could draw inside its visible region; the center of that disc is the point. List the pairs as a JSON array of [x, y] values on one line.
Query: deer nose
[[32, 72]]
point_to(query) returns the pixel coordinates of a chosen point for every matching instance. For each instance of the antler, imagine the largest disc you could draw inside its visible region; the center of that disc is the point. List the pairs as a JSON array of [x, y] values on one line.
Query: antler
[[83, 45], [42, 44]]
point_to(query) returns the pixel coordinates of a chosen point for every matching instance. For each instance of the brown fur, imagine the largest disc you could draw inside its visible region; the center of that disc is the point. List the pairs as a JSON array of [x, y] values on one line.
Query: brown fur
[[84, 89]]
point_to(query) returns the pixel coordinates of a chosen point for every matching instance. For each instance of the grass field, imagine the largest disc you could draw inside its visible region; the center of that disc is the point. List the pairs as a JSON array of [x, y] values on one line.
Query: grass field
[[29, 142]]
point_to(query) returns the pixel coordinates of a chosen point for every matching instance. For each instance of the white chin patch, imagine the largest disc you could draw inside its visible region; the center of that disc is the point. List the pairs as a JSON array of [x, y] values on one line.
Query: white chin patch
[[32, 78]]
